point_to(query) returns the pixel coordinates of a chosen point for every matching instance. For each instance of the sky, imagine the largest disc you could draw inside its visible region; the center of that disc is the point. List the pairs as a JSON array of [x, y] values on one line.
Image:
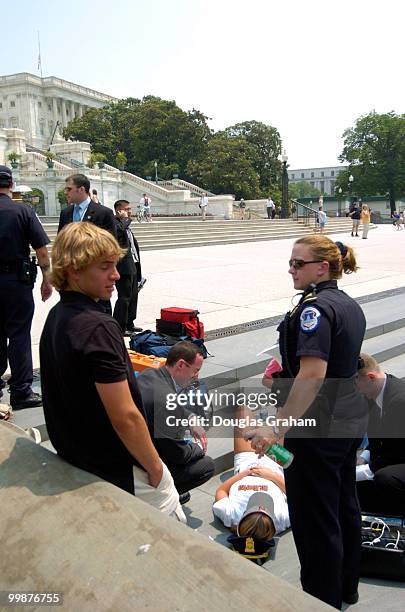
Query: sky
[[310, 68]]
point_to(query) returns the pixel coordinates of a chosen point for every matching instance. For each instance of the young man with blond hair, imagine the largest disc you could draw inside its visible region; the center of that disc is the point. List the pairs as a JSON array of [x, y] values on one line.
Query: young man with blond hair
[[93, 410]]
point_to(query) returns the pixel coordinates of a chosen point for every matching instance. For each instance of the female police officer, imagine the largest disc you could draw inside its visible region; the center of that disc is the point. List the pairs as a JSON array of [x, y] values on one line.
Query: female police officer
[[320, 342]]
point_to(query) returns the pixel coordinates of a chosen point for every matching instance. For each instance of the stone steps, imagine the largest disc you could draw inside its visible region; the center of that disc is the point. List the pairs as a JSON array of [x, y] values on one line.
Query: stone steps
[[192, 233]]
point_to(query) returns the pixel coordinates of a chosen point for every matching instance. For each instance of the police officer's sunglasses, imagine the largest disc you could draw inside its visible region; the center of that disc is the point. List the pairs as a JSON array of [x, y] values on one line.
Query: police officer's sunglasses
[[300, 263]]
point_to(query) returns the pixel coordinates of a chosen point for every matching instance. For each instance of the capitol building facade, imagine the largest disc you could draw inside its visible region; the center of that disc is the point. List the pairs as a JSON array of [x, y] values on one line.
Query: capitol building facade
[[39, 105]]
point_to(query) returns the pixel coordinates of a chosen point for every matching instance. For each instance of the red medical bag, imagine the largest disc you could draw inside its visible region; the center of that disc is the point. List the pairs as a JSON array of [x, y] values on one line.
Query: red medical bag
[[186, 316]]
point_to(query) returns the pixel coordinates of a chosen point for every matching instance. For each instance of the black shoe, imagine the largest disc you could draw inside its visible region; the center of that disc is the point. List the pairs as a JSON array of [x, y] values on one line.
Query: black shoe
[[31, 401], [357, 236], [351, 599], [132, 330], [184, 498], [351, 234]]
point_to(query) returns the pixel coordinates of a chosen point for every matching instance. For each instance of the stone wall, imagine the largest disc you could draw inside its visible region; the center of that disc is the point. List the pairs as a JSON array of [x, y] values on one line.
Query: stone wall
[[65, 531]]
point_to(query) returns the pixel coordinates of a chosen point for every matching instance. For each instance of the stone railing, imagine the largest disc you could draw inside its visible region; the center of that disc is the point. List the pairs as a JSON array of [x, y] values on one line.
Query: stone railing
[[194, 189], [40, 157], [152, 188]]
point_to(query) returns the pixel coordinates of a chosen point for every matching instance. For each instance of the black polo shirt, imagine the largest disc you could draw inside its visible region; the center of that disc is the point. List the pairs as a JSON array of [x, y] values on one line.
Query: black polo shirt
[[19, 228], [81, 345]]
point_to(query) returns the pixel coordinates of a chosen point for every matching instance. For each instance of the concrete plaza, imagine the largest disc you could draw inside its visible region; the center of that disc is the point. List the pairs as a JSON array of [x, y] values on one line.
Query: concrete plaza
[[234, 284]]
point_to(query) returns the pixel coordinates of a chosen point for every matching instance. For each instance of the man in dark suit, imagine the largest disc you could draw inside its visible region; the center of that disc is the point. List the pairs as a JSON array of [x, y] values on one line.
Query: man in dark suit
[[381, 468], [162, 392], [129, 268], [82, 208]]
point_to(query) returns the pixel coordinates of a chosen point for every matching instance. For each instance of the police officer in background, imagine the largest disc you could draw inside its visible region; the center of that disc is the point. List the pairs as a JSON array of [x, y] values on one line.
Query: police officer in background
[[19, 228], [320, 342]]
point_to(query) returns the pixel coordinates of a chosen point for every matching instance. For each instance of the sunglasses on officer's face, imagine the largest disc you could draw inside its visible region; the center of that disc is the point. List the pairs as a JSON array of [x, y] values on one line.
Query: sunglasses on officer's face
[[300, 263]]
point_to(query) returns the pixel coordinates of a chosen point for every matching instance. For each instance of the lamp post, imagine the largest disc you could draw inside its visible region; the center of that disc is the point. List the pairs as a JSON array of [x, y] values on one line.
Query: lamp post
[[156, 174], [351, 179], [340, 201], [284, 187]]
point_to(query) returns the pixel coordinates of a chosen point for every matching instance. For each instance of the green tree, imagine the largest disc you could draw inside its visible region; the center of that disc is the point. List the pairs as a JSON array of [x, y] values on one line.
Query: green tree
[[265, 150], [226, 167], [375, 151], [62, 197], [144, 130], [121, 160], [302, 189]]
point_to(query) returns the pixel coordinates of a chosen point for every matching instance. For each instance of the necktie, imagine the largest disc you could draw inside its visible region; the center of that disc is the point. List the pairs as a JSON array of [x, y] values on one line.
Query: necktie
[[132, 245], [77, 213]]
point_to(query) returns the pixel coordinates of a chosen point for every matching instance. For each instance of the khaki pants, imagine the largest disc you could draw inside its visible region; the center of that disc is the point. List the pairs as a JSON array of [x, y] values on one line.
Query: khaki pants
[[164, 497], [203, 212], [365, 229]]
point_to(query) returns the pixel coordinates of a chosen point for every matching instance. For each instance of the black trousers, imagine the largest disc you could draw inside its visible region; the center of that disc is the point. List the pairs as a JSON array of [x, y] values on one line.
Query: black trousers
[[325, 516], [385, 494], [192, 474], [16, 313], [127, 302], [269, 213]]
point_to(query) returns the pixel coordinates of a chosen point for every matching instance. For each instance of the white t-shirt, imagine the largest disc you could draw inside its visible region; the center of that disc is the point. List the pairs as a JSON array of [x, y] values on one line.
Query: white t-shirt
[[230, 509], [322, 217], [204, 201], [270, 203], [145, 202]]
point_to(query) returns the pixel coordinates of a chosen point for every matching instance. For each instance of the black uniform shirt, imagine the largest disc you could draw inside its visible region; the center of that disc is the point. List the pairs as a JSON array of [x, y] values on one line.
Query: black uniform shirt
[[19, 228], [81, 345], [330, 325]]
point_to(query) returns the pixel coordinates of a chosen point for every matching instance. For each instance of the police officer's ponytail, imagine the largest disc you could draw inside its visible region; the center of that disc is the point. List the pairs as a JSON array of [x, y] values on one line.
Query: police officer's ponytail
[[340, 257], [349, 263]]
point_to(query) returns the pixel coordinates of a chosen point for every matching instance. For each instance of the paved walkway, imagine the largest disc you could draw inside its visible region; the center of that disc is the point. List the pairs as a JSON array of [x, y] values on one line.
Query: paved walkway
[[233, 284]]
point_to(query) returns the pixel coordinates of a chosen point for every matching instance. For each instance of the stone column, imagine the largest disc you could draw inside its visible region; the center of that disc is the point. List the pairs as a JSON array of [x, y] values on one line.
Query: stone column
[[80, 110], [72, 111], [3, 147], [54, 111], [64, 114]]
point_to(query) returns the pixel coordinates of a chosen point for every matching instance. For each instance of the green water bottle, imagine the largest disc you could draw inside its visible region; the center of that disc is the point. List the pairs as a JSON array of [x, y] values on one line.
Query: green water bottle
[[280, 455]]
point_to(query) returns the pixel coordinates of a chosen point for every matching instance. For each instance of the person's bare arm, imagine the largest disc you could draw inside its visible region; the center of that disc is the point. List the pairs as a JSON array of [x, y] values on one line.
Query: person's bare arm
[[44, 264], [269, 474], [223, 489], [131, 428]]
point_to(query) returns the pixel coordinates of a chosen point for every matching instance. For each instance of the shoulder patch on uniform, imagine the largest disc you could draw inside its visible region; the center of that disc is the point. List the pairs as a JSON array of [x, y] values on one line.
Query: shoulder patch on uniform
[[310, 319]]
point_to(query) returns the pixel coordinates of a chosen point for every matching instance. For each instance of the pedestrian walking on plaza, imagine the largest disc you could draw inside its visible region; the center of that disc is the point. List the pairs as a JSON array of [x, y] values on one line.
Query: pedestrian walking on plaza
[[320, 342], [270, 207], [355, 215], [20, 228], [203, 205], [129, 268], [145, 203], [365, 219], [322, 218], [397, 220], [242, 208], [94, 196]]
